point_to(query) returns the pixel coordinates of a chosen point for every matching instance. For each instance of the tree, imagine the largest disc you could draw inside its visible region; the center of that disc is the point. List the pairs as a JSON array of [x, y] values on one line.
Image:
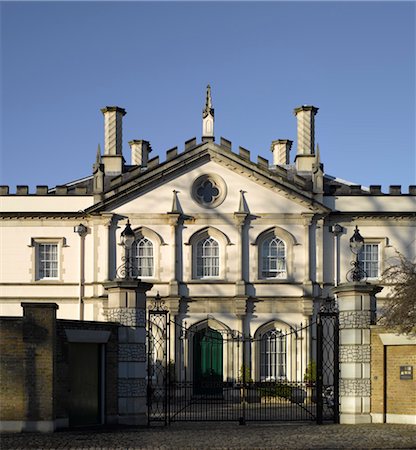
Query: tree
[[399, 312]]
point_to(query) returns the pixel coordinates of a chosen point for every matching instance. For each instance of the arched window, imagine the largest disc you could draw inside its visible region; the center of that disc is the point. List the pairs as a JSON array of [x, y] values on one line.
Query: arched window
[[207, 258], [143, 257], [272, 355], [273, 258]]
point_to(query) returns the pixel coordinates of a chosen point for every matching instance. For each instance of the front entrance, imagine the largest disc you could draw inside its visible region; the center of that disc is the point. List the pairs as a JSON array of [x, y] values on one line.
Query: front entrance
[[207, 362], [222, 375]]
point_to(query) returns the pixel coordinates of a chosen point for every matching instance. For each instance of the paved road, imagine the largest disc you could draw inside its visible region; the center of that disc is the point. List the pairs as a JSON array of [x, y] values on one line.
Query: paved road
[[224, 436]]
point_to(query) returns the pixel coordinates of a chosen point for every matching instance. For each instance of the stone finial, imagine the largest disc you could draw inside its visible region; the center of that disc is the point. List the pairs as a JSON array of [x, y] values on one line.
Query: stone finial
[[209, 110], [98, 174], [176, 209], [242, 206], [96, 166], [208, 117]]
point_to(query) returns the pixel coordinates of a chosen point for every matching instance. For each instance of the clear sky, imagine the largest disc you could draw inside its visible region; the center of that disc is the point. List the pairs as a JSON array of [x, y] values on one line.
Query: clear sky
[[63, 61]]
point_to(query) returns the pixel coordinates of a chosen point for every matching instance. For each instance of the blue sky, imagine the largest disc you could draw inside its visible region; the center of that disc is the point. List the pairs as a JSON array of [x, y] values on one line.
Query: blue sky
[[63, 61]]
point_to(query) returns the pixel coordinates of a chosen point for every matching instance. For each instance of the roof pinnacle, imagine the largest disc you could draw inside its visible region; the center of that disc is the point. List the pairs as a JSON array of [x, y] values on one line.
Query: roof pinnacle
[[208, 110], [98, 157]]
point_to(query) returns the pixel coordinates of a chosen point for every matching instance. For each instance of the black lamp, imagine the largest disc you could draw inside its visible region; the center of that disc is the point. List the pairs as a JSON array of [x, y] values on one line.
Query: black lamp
[[356, 245], [127, 236]]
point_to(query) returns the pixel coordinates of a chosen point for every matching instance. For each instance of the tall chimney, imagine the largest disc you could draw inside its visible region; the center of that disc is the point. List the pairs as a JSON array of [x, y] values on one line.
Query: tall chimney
[[281, 150], [305, 154], [140, 152], [113, 140]]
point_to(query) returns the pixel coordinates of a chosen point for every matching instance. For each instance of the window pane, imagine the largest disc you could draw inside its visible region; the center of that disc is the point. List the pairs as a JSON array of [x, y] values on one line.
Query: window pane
[[207, 258], [273, 258], [369, 260], [144, 261], [272, 356], [47, 261]]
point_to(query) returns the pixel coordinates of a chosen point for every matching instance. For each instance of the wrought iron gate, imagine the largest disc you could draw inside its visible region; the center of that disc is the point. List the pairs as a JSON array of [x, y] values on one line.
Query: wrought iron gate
[[222, 375]]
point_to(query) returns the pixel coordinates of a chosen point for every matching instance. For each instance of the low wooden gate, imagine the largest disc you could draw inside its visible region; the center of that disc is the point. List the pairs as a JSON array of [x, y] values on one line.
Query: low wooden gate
[[276, 376]]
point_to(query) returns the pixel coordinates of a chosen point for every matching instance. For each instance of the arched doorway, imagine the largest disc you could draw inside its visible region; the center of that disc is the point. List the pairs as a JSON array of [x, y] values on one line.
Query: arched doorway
[[208, 362]]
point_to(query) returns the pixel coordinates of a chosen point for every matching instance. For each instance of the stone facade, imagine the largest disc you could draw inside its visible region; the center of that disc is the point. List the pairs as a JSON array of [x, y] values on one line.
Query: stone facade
[[205, 193]]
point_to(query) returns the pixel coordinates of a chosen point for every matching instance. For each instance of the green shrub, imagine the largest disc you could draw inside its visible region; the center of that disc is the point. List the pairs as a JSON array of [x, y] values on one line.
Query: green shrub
[[245, 374], [276, 390], [310, 373]]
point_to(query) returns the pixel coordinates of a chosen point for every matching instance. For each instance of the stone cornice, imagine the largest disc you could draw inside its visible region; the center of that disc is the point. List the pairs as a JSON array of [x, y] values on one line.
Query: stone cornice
[[353, 215], [200, 154], [47, 215]]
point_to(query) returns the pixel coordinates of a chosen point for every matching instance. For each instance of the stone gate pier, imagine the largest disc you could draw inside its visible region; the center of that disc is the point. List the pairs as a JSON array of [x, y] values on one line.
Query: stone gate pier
[[356, 302], [127, 306]]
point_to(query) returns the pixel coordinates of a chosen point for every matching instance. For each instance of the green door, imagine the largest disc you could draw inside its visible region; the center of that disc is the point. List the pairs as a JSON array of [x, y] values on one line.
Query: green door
[[84, 384], [207, 353]]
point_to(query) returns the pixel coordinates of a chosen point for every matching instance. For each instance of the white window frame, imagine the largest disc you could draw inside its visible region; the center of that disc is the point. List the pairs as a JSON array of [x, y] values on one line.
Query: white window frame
[[207, 258], [138, 258], [273, 355], [266, 258], [36, 243], [365, 262]]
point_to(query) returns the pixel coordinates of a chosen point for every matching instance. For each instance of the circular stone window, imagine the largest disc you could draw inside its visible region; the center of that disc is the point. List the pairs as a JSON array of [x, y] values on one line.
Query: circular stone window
[[209, 190]]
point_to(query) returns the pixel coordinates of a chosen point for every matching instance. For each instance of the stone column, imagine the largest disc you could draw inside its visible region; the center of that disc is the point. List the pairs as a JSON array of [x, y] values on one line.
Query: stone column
[[174, 222], [354, 302], [240, 220], [309, 254], [127, 306]]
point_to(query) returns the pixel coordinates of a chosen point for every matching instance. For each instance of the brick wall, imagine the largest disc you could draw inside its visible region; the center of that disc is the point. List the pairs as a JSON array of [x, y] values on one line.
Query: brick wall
[[34, 367], [27, 364], [377, 373], [12, 370], [401, 394], [389, 394]]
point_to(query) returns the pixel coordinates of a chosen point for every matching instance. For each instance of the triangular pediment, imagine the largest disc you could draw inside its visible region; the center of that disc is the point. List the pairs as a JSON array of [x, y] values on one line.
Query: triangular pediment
[[266, 190]]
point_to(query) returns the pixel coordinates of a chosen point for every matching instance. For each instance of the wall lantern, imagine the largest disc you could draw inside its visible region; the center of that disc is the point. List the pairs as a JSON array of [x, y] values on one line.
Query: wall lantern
[[81, 230], [127, 236], [128, 268], [356, 244]]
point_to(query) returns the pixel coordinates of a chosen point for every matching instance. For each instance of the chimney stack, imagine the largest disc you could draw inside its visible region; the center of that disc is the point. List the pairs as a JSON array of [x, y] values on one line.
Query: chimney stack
[[140, 152], [113, 140], [305, 154], [281, 151]]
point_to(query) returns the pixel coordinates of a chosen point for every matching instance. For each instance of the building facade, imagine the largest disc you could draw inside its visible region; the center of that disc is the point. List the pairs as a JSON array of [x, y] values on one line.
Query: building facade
[[230, 244]]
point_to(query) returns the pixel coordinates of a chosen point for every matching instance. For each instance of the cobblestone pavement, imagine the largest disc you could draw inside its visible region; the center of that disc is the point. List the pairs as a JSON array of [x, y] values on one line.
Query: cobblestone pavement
[[223, 436]]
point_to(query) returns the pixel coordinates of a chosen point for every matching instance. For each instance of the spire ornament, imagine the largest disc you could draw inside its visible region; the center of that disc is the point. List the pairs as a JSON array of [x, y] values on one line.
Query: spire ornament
[[208, 118], [98, 161], [208, 110]]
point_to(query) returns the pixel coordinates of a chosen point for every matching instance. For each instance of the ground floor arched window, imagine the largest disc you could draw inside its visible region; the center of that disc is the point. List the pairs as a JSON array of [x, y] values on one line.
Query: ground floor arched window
[[272, 356]]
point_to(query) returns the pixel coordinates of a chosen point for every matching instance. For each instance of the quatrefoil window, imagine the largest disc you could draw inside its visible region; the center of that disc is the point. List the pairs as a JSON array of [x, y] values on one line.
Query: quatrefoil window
[[209, 190]]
